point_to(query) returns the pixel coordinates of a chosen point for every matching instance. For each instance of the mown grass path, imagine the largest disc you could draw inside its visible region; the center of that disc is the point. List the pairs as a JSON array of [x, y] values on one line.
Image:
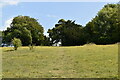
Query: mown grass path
[[89, 61]]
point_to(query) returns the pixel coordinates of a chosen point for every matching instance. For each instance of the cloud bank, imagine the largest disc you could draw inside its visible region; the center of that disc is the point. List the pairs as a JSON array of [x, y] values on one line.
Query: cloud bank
[[8, 2]]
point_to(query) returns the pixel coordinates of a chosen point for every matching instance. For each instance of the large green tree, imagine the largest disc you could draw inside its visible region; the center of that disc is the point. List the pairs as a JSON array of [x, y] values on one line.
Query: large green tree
[[105, 27], [25, 28], [68, 33]]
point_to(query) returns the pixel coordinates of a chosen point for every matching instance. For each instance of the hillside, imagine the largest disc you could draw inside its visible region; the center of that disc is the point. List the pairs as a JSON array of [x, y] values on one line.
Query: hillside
[[88, 61]]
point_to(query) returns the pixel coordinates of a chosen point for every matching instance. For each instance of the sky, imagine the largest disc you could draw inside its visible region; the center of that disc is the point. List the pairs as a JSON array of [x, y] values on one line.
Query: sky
[[48, 13]]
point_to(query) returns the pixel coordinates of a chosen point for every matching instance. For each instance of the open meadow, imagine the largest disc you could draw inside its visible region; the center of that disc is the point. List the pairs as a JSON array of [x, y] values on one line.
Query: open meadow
[[88, 61]]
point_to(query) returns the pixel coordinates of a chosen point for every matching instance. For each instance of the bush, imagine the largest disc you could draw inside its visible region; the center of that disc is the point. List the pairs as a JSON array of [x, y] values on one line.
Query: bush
[[31, 47], [17, 43], [89, 44]]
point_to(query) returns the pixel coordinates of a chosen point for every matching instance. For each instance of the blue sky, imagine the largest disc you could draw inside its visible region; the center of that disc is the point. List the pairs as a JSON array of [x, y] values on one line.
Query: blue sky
[[48, 13]]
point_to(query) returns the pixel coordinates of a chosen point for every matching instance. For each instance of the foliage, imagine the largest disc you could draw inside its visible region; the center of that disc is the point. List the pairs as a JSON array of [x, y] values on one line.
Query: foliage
[[17, 43], [47, 41], [0, 33], [105, 27], [31, 47], [25, 28], [0, 38], [67, 32]]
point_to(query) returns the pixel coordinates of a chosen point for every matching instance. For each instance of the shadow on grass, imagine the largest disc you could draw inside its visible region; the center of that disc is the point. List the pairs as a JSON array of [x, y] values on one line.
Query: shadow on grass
[[9, 50]]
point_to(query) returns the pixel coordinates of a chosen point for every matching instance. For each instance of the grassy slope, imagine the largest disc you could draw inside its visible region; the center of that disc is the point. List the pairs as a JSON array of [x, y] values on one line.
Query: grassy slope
[[91, 61]]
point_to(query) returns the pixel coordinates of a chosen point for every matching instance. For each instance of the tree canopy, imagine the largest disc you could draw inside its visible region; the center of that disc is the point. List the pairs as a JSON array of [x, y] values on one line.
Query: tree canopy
[[67, 32], [25, 28], [104, 28]]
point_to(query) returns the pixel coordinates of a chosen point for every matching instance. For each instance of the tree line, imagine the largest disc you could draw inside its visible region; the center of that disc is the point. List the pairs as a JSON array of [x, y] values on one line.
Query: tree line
[[104, 28]]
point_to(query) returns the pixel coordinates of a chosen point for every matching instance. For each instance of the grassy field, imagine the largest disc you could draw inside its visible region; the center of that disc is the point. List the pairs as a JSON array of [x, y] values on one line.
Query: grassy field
[[88, 61]]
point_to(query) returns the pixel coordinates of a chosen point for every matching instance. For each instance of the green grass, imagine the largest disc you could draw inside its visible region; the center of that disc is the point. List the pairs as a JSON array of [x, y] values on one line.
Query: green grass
[[89, 61]]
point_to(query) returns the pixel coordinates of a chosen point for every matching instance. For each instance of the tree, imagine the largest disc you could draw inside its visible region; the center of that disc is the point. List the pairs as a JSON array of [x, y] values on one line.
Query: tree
[[27, 29], [104, 28], [47, 41], [68, 33], [17, 43]]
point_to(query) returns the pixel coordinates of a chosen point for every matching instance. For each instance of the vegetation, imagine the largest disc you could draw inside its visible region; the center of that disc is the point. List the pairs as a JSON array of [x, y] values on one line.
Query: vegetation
[[25, 28], [103, 29], [88, 61], [0, 33], [0, 37], [17, 43], [68, 33]]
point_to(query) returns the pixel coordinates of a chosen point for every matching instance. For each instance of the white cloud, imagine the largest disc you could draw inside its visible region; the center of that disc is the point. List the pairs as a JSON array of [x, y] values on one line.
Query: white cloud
[[69, 0], [8, 22], [52, 16], [8, 2], [13, 2]]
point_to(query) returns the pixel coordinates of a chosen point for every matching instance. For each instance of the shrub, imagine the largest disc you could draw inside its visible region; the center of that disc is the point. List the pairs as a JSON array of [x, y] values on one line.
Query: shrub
[[17, 43], [89, 44], [31, 47]]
